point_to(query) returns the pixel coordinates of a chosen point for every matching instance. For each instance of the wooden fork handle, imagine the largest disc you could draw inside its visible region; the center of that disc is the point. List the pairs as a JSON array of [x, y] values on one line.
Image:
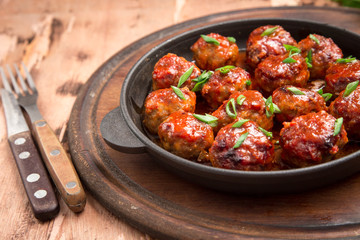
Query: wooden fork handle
[[59, 166], [34, 176]]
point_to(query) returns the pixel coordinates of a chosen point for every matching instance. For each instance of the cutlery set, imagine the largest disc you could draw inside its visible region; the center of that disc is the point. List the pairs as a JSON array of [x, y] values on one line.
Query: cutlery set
[[34, 176]]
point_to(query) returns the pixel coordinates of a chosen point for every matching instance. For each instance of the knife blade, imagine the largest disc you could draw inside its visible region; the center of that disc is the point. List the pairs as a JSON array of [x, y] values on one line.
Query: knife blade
[[33, 174]]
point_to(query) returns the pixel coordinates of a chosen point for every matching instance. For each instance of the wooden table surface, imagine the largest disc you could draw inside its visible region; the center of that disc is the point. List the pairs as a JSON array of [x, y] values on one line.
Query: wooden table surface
[[63, 43]]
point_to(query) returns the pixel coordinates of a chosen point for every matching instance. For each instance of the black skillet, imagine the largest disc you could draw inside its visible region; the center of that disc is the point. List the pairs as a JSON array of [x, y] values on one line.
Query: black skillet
[[122, 128]]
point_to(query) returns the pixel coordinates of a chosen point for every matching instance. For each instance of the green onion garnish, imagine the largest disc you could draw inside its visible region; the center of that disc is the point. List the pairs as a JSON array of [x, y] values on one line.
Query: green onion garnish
[[349, 59], [308, 59], [207, 118], [201, 80], [326, 96], [240, 123], [267, 133], [241, 140], [248, 82], [292, 49], [231, 39], [295, 91], [350, 88], [178, 92], [269, 31], [240, 99], [270, 107], [338, 124], [232, 114], [225, 69], [314, 38], [289, 60], [320, 91], [185, 76], [210, 40]]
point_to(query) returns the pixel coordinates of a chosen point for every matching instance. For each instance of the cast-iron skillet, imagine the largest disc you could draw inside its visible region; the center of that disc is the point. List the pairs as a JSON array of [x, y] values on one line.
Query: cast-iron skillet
[[122, 128]]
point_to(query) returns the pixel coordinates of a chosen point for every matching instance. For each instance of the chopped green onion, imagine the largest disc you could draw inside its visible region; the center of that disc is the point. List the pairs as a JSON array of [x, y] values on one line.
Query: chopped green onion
[[185, 76], [225, 69], [289, 60], [232, 114], [267, 133], [270, 107], [314, 38], [231, 39], [178, 92], [326, 96], [207, 118], [240, 123], [241, 140], [295, 91], [349, 59], [240, 99], [248, 82], [338, 124], [320, 91], [210, 40], [308, 59], [201, 80], [292, 49], [269, 31], [350, 88]]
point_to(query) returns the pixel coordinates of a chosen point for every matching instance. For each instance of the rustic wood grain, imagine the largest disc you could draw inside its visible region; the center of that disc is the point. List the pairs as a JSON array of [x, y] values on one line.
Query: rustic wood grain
[[64, 42]]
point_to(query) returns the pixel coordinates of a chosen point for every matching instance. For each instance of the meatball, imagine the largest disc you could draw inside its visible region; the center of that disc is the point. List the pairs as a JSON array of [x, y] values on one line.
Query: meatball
[[253, 108], [209, 56], [221, 85], [161, 103], [349, 108], [294, 104], [273, 72], [309, 139], [260, 45], [339, 75], [255, 153], [182, 134], [169, 69], [323, 52]]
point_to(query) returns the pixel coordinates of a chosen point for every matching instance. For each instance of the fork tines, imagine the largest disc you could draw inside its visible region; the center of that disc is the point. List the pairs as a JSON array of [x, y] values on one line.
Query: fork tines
[[15, 86]]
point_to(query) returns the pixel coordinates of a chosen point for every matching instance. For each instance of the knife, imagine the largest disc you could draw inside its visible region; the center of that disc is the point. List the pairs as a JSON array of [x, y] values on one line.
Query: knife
[[33, 174]]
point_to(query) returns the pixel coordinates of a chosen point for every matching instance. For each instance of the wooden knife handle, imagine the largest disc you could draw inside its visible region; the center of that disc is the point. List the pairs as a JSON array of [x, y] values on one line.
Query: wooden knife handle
[[59, 166], [34, 176]]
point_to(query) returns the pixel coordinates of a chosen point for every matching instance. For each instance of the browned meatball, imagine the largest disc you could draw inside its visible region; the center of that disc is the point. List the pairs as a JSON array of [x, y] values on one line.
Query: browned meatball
[[349, 108], [339, 75], [209, 56], [255, 153], [309, 139], [259, 47], [273, 72], [323, 52], [221, 85], [182, 134], [253, 108], [169, 69], [293, 105], [161, 103]]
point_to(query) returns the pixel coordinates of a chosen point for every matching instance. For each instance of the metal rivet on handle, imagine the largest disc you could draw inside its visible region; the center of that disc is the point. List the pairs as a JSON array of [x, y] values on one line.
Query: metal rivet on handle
[[40, 193], [41, 124], [24, 155], [55, 152], [71, 185], [19, 141], [33, 177]]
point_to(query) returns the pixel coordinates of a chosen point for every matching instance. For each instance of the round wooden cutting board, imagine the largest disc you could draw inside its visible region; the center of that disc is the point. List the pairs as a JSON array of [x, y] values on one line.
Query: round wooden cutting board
[[135, 188]]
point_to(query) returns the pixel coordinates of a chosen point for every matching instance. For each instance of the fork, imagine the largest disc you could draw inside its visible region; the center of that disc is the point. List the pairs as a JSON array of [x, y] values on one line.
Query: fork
[[58, 163]]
